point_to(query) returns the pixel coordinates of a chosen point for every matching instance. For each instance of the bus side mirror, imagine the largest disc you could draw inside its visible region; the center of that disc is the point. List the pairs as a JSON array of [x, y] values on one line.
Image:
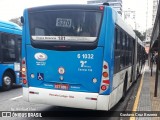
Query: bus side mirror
[[22, 19]]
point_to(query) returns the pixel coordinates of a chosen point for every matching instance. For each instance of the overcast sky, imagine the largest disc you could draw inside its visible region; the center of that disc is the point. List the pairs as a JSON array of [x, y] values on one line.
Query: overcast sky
[[14, 8]]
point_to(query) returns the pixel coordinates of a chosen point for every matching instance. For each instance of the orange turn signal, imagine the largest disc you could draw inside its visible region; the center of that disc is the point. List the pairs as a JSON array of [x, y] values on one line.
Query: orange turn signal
[[105, 74]]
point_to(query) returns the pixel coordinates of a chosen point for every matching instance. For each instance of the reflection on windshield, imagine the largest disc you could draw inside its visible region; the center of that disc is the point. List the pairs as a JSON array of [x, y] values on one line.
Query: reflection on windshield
[[65, 23]]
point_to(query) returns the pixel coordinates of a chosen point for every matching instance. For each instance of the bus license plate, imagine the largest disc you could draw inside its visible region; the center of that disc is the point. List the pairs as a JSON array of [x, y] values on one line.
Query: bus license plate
[[61, 86]]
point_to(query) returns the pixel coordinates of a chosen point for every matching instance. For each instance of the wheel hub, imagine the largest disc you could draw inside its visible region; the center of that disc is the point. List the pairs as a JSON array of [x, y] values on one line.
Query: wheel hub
[[7, 80]]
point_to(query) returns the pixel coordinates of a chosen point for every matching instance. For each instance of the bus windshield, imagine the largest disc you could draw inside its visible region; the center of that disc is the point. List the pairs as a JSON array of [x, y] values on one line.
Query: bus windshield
[[68, 25]]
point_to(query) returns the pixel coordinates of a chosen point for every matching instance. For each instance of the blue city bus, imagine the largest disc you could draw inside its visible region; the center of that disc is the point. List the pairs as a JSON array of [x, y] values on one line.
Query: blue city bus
[[10, 54], [80, 56]]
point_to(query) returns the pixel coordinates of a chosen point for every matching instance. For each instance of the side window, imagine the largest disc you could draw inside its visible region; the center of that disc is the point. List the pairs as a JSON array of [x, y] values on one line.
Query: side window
[[127, 50], [116, 38], [8, 49], [126, 37], [132, 50], [18, 48], [129, 44], [124, 50], [121, 38], [123, 41], [117, 51]]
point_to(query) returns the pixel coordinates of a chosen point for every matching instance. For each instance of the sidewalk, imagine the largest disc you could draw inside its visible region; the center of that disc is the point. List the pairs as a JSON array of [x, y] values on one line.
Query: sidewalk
[[147, 101]]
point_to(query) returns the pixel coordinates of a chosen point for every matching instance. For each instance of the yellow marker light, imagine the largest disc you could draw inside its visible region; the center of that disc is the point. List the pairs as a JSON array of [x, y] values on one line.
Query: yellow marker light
[[23, 69]]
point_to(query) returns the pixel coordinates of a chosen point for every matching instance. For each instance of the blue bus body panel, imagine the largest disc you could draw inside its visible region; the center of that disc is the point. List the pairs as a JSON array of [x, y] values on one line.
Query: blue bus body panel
[[26, 33], [7, 30], [109, 44], [106, 39], [9, 27], [78, 80], [79, 71]]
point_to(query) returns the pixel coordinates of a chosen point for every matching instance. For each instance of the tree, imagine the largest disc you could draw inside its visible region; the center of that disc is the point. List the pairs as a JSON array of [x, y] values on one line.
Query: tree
[[140, 35], [16, 20]]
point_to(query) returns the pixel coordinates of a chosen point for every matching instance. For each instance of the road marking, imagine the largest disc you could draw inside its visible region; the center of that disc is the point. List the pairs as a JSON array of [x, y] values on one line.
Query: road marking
[[16, 97], [135, 106]]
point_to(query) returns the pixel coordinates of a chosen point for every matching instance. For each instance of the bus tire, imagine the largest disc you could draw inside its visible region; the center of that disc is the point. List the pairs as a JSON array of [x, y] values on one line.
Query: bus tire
[[124, 87], [7, 81]]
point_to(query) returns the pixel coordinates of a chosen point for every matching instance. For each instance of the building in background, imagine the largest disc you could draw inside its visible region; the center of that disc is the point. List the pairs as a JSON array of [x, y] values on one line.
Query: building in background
[[154, 12], [116, 4], [148, 39], [149, 31], [129, 18]]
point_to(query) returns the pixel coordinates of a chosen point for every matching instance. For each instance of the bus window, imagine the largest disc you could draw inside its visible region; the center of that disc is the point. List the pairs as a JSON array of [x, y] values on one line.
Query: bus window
[[18, 48], [68, 23], [8, 49], [117, 51], [39, 31], [118, 40], [123, 41]]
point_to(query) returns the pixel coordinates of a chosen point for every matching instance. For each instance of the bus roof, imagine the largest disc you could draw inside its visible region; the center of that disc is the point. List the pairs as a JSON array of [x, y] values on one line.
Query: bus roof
[[120, 22], [68, 6], [140, 42], [9, 25]]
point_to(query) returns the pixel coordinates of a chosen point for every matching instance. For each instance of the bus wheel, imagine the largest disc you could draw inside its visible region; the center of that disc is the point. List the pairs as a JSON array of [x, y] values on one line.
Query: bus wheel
[[7, 81]]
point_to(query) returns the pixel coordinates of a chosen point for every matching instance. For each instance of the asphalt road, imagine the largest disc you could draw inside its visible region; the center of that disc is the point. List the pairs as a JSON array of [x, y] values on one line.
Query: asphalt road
[[12, 101]]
